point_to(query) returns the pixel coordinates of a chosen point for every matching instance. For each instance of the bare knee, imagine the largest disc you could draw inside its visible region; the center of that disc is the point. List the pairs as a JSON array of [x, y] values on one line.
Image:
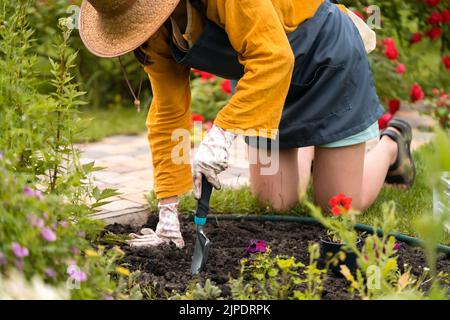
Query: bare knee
[[280, 188]]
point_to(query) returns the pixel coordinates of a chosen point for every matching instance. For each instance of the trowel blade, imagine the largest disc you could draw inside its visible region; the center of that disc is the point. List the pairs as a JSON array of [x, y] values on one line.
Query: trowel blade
[[201, 250]]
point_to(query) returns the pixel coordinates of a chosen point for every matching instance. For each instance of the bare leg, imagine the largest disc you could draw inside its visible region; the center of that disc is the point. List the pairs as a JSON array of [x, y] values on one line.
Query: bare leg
[[348, 170], [282, 188]]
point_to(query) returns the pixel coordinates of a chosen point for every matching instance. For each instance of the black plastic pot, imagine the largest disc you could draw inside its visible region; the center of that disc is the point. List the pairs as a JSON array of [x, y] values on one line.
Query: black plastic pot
[[329, 250]]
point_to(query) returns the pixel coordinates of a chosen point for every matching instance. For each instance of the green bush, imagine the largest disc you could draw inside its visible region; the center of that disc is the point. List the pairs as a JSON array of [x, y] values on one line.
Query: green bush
[[45, 227]]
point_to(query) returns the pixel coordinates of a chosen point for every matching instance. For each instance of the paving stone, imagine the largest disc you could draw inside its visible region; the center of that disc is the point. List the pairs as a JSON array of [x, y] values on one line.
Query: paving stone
[[120, 205], [138, 197]]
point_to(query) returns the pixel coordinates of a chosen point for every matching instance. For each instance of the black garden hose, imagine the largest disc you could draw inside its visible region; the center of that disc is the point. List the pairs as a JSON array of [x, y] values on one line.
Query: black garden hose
[[415, 242]]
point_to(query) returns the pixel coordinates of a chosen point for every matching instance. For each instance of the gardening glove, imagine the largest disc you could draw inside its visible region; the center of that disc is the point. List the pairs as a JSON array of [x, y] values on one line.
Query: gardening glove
[[211, 158], [168, 229]]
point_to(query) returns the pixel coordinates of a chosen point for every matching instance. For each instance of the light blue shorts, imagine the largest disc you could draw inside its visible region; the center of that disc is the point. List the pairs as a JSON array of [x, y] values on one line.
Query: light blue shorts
[[370, 133]]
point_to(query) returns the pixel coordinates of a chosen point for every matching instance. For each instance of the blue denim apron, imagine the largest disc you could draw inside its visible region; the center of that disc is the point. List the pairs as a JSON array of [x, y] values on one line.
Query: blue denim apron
[[332, 93]]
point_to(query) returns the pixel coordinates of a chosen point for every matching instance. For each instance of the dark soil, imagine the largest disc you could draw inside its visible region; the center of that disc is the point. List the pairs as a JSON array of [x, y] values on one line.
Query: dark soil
[[167, 268]]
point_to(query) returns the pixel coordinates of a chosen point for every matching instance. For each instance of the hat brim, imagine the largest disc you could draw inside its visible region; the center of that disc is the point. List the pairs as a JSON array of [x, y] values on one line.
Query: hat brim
[[110, 36]]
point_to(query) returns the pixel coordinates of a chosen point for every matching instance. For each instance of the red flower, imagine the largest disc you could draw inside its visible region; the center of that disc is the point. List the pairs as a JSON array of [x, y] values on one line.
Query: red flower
[[390, 51], [416, 37], [401, 69], [197, 117], [359, 14], [204, 76], [435, 18], [394, 106], [446, 62], [226, 86], [433, 3], [340, 204], [417, 93], [383, 122], [434, 33], [446, 16]]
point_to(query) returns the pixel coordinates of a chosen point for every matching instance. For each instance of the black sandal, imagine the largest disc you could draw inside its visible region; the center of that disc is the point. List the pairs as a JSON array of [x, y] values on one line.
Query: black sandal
[[404, 157]]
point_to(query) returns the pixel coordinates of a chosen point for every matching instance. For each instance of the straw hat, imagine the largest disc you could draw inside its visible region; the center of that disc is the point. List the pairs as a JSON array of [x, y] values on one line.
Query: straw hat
[[111, 28]]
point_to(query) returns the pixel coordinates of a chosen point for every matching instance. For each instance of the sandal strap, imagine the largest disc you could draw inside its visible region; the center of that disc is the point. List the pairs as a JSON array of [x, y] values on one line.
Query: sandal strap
[[397, 138], [403, 127]]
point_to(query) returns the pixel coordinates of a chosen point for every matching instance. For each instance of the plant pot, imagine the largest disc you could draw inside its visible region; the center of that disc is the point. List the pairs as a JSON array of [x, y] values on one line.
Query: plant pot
[[329, 250]]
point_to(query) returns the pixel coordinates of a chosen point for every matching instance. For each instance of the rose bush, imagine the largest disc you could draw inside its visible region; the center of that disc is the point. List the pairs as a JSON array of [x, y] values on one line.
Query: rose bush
[[413, 47]]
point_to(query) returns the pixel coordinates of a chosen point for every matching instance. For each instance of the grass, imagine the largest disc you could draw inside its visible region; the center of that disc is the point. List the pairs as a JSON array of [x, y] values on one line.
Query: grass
[[102, 123], [410, 204]]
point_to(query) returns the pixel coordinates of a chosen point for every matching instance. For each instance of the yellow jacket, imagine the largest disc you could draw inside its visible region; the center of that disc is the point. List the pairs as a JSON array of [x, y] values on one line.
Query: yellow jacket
[[257, 31]]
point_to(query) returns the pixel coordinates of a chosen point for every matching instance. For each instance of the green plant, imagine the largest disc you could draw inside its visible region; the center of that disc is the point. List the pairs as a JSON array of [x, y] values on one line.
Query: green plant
[[208, 96], [411, 48], [264, 277], [45, 227], [196, 291]]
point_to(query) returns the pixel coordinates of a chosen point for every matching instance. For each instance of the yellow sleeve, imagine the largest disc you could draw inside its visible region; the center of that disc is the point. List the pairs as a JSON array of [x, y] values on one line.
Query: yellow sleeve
[[257, 34], [169, 111]]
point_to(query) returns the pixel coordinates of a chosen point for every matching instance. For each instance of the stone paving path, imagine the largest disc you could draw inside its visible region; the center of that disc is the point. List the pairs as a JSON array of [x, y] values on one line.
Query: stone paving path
[[128, 167]]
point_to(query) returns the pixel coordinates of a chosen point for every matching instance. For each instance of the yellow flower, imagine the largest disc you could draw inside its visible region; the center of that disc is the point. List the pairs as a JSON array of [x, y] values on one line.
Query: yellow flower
[[123, 271], [91, 253]]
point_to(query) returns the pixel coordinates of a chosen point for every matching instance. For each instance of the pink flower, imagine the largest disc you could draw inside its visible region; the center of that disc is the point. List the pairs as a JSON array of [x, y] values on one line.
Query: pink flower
[[401, 69], [48, 235], [28, 191], [35, 221], [32, 193], [74, 250], [50, 272], [81, 233], [256, 246], [19, 251], [2, 259], [64, 224], [76, 274]]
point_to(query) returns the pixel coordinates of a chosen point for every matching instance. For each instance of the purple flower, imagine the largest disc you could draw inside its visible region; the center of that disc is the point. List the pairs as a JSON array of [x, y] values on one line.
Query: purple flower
[[256, 246], [35, 221], [397, 246], [2, 259], [50, 272], [48, 235], [81, 233], [38, 195], [64, 224], [32, 193], [28, 191], [76, 274], [45, 215], [108, 296], [19, 264], [74, 250], [1, 155], [19, 251]]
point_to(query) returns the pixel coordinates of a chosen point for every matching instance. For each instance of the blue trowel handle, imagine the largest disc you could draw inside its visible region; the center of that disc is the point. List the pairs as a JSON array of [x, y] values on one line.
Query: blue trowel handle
[[203, 204]]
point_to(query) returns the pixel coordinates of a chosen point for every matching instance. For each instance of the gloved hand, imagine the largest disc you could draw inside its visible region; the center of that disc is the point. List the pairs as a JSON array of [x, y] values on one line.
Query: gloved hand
[[168, 229], [211, 158]]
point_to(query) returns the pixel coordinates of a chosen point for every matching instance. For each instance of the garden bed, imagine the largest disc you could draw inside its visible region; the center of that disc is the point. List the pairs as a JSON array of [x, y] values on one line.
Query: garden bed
[[167, 268]]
